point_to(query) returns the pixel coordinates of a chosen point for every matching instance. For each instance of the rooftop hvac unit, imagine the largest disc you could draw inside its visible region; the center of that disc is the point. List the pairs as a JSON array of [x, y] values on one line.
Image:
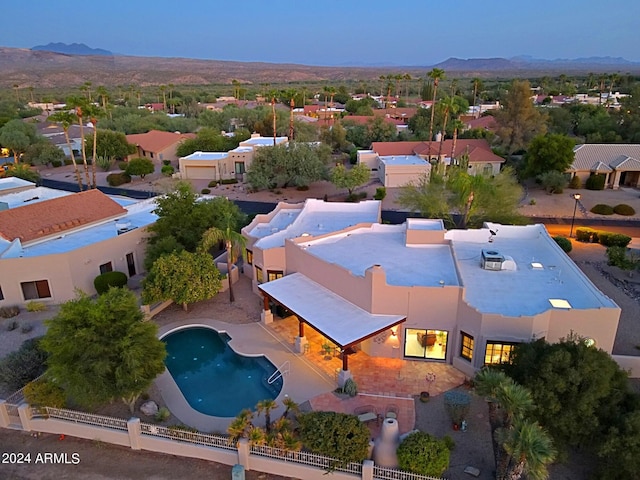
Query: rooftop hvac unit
[[491, 260]]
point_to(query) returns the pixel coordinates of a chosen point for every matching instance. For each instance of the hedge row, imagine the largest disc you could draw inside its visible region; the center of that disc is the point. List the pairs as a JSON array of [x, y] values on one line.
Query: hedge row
[[608, 239]]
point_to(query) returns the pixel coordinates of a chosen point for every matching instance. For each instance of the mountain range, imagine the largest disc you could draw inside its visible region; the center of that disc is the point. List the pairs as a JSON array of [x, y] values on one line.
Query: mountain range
[[77, 63]]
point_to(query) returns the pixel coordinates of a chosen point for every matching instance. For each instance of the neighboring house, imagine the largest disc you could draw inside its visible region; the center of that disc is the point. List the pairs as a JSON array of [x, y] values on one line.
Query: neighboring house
[[54, 242], [418, 292], [157, 145], [55, 134], [487, 122], [398, 163], [619, 163], [154, 107], [225, 165]]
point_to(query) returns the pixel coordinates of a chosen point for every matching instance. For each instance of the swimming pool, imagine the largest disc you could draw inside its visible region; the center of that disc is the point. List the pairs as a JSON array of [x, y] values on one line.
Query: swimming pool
[[213, 378]]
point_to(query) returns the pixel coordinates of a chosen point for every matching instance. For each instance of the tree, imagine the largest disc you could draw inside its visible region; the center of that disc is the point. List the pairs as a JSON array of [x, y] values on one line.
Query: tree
[[351, 178], [335, 136], [111, 145], [266, 406], [93, 112], [23, 365], [518, 121], [78, 104], [209, 140], [552, 152], [436, 74], [17, 135], [43, 153], [293, 164], [23, 171], [140, 166], [67, 119], [103, 349], [183, 277], [233, 241]]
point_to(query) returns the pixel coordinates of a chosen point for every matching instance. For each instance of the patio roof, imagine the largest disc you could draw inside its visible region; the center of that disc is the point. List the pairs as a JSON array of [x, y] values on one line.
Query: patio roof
[[341, 321]]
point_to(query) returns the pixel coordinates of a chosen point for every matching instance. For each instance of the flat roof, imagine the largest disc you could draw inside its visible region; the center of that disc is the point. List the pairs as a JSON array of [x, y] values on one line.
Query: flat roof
[[206, 156], [318, 217], [9, 183], [428, 265], [431, 224], [262, 141], [339, 320], [31, 196], [281, 220], [539, 272], [403, 160]]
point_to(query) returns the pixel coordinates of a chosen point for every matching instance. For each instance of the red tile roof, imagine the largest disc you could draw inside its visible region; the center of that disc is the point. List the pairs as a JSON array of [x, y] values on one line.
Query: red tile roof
[[156, 141], [477, 149], [487, 123], [49, 217]]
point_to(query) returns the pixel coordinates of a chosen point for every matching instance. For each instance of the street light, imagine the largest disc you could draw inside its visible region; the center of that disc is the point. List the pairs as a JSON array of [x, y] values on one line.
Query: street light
[[576, 197]]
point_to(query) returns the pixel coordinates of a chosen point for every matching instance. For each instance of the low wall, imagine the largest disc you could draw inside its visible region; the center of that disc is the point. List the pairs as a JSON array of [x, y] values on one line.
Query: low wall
[[629, 363]]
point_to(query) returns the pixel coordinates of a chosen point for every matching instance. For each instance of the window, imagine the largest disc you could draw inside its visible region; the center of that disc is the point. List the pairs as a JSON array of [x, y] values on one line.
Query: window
[[106, 267], [34, 290], [259, 276], [1, 295], [249, 257], [239, 167], [466, 348], [498, 352], [431, 344], [151, 154], [274, 275]]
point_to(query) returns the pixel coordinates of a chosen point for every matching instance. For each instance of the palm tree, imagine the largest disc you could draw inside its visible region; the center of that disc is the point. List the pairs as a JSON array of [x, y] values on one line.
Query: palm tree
[[289, 406], [266, 406], [240, 425], [450, 107], [528, 449], [256, 436], [407, 78], [67, 119], [79, 104], [163, 90], [233, 241], [476, 86], [93, 113], [103, 93], [515, 401], [488, 382], [457, 125], [436, 75]]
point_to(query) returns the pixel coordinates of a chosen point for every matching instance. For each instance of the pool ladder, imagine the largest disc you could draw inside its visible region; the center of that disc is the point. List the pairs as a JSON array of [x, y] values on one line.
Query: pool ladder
[[281, 371]]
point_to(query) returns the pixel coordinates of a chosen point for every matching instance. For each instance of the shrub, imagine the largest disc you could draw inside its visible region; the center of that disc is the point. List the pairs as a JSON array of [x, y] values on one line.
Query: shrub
[[423, 454], [350, 387], [56, 163], [595, 182], [337, 435], [585, 234], [353, 156], [624, 209], [229, 181], [552, 181], [213, 183], [532, 201], [602, 209], [167, 170], [564, 242], [45, 393], [622, 258], [103, 282], [381, 192], [117, 179], [163, 414], [575, 182], [140, 166], [122, 165], [104, 163], [457, 405], [68, 161], [20, 367], [205, 191], [611, 239], [33, 306], [9, 311], [166, 162]]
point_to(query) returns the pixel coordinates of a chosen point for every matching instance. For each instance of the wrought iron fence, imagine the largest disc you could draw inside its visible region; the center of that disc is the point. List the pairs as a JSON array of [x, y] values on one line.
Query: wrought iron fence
[[179, 434], [306, 458], [80, 417], [386, 473]]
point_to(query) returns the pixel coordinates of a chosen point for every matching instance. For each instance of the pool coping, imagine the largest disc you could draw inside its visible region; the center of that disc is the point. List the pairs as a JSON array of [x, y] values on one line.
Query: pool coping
[[251, 339]]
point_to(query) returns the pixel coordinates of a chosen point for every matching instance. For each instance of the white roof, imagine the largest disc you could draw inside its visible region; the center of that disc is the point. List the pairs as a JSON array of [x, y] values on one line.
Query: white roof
[[528, 289], [262, 141], [31, 195], [10, 183], [337, 319], [404, 160], [316, 217], [429, 265], [206, 156]]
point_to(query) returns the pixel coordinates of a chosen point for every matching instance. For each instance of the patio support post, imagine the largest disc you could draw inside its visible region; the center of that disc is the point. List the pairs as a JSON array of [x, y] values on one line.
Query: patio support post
[[266, 317], [300, 329], [301, 342]]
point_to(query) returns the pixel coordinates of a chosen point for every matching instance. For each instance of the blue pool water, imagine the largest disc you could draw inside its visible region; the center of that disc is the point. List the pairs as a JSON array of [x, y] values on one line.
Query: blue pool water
[[213, 378]]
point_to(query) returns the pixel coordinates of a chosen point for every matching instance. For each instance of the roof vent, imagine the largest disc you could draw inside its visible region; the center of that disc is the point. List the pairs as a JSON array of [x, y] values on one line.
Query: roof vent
[[491, 259]]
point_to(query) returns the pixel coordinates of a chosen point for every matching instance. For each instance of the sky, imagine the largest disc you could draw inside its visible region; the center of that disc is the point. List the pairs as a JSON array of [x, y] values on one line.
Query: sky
[[332, 32]]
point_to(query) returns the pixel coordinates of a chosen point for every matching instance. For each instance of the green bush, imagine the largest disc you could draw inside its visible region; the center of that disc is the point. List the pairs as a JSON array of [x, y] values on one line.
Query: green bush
[[595, 182], [56, 163], [602, 209], [103, 282], [381, 192], [213, 183], [140, 166], [166, 162], [122, 165], [611, 239], [117, 179], [104, 163], [337, 435], [20, 367], [68, 161], [205, 191], [575, 182], [229, 181], [9, 311], [423, 454], [167, 170], [350, 387], [33, 306], [564, 242], [45, 393], [622, 258], [552, 181], [624, 209], [162, 415]]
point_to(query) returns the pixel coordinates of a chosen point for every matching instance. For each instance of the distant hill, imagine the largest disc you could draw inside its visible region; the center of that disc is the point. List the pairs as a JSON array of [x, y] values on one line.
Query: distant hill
[[527, 63], [73, 49]]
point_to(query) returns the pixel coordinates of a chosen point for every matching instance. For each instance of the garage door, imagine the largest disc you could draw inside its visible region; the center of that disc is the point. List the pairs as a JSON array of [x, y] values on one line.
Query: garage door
[[200, 173]]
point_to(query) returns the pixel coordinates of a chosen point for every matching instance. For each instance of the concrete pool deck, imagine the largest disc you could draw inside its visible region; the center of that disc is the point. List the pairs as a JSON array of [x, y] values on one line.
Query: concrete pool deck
[[303, 382]]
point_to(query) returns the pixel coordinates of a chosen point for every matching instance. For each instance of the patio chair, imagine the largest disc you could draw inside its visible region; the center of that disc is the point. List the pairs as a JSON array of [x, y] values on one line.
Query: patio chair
[[391, 411], [366, 413]]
